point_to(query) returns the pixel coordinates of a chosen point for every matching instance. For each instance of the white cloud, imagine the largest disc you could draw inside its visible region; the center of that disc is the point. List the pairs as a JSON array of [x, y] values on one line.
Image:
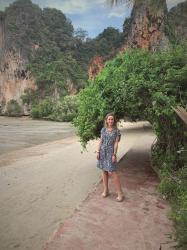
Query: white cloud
[[83, 6], [171, 3], [122, 10], [71, 6], [74, 6]]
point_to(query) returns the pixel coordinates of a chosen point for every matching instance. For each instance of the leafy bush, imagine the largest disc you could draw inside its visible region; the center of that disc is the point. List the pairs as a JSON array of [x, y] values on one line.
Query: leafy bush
[[62, 110], [30, 97], [65, 110], [13, 108], [43, 109], [173, 186], [139, 84]]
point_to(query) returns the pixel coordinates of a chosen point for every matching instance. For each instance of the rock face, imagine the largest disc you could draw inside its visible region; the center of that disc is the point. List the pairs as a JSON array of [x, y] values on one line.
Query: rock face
[[144, 29], [95, 66], [147, 26], [178, 19], [14, 78]]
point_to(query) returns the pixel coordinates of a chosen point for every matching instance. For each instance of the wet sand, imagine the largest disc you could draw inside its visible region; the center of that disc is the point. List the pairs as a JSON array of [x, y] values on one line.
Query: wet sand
[[42, 185], [17, 133]]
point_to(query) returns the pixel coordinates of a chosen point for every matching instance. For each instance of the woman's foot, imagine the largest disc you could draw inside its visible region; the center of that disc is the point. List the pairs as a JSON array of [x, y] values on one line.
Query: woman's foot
[[105, 194], [120, 197]]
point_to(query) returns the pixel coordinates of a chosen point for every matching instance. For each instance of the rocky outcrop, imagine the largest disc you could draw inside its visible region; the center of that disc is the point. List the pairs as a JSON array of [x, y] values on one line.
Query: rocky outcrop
[[14, 78], [147, 26], [95, 66], [178, 21], [2, 33], [31, 37], [145, 29]]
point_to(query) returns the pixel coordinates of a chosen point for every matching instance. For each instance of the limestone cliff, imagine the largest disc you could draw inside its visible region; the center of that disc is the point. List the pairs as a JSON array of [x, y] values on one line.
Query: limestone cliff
[[145, 28], [14, 78], [25, 29], [178, 21], [95, 66], [40, 40]]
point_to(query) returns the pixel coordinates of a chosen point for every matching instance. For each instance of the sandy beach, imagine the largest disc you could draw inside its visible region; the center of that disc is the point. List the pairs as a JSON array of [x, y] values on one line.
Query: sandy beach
[[42, 185]]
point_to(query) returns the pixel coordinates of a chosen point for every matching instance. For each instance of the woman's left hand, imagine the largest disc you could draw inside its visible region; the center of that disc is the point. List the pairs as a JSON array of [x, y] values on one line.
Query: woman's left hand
[[113, 158]]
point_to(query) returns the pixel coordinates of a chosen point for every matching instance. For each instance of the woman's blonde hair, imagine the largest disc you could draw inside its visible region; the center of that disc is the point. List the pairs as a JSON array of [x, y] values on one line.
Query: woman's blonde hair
[[106, 117]]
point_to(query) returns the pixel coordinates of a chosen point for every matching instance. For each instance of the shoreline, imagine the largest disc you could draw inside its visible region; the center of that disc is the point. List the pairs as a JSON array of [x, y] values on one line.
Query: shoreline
[[21, 133], [43, 185]]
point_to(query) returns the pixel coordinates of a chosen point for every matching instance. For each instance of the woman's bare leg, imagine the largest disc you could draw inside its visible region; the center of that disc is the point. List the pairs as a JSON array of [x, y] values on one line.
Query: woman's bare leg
[[117, 184], [105, 182]]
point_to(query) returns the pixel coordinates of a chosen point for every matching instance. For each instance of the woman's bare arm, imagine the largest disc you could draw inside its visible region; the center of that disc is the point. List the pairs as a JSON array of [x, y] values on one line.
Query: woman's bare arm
[[99, 144], [116, 145]]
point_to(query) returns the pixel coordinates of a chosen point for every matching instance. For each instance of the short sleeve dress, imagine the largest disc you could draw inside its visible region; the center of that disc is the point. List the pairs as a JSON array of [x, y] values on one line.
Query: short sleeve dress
[[107, 149]]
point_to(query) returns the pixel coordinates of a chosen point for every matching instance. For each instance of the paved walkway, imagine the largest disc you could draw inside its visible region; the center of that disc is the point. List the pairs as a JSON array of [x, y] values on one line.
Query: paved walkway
[[140, 222]]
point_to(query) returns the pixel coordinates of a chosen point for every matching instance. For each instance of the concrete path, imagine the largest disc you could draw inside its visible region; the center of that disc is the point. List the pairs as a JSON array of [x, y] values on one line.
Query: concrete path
[[140, 222], [40, 186]]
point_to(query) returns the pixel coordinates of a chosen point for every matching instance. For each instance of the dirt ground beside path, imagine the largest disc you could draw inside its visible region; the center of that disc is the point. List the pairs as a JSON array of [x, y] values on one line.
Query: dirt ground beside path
[[140, 222]]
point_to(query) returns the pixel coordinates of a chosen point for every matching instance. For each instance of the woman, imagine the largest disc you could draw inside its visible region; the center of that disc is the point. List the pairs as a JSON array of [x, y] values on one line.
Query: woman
[[106, 155]]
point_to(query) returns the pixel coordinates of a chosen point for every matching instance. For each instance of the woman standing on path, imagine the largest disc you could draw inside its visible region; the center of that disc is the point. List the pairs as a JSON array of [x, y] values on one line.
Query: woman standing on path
[[106, 155]]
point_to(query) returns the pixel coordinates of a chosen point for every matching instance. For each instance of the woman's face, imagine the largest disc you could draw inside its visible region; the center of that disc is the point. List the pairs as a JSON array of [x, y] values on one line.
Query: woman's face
[[110, 120]]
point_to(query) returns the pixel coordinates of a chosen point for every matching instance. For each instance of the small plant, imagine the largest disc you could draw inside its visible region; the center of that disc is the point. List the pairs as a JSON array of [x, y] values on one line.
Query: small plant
[[43, 109], [65, 109], [13, 108]]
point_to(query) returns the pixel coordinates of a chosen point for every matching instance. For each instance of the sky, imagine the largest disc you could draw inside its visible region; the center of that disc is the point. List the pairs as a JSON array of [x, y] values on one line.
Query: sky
[[90, 15]]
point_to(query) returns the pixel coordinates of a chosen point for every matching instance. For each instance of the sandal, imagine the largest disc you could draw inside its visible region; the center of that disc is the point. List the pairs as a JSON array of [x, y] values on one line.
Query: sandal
[[105, 194], [120, 197]]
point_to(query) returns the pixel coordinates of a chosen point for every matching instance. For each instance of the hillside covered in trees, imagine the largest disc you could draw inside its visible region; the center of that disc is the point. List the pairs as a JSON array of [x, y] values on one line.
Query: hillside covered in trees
[[45, 61], [41, 46]]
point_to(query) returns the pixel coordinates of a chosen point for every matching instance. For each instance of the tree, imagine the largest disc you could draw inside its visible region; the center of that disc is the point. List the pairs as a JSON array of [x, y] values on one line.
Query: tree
[[81, 34]]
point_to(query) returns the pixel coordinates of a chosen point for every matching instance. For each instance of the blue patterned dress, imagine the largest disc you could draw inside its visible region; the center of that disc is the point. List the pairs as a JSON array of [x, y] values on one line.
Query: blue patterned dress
[[107, 149]]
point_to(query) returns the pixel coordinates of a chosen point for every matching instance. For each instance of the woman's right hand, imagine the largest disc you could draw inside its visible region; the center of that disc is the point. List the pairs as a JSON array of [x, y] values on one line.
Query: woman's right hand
[[97, 155]]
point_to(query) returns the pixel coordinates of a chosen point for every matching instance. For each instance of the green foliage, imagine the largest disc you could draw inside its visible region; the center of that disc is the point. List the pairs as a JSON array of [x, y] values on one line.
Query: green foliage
[[177, 23], [90, 115], [43, 109], [28, 24], [139, 84], [46, 38], [63, 110], [29, 97], [173, 186], [105, 44], [13, 108], [108, 40], [66, 109], [58, 57], [126, 27], [57, 74]]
